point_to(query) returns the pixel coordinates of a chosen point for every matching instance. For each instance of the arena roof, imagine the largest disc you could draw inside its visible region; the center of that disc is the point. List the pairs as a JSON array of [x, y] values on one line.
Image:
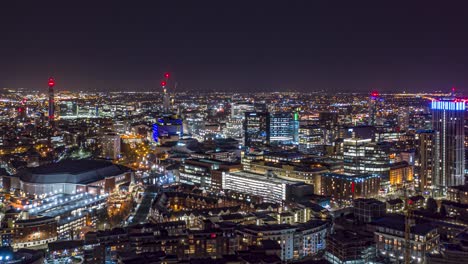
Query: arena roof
[[72, 171]]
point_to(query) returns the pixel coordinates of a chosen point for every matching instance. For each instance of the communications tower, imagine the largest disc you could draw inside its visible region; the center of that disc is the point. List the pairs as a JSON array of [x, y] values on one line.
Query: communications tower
[[373, 103], [167, 97], [51, 84]]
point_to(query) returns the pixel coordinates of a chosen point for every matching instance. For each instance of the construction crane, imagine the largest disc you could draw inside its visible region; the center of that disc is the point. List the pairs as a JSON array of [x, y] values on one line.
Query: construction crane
[[166, 98], [408, 224]]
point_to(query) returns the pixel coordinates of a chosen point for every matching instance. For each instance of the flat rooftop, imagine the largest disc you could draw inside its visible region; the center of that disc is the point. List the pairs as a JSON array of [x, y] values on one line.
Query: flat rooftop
[[262, 177]]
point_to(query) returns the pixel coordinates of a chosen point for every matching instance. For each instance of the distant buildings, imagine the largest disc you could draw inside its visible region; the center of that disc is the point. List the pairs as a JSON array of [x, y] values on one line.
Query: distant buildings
[[264, 128]]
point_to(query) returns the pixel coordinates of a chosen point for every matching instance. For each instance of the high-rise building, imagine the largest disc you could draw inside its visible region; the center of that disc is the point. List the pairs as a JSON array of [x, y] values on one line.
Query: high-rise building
[[448, 119], [284, 127], [427, 158], [239, 109], [110, 146], [364, 156], [400, 174], [68, 109], [256, 129], [312, 139], [403, 118]]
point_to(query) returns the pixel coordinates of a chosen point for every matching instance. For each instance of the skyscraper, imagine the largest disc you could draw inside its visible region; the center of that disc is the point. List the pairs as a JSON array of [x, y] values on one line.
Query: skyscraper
[[284, 127], [311, 139], [448, 119], [427, 158], [257, 129]]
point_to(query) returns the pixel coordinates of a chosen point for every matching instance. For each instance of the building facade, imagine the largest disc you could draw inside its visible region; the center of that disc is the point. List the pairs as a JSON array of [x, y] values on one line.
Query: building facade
[[256, 129], [448, 117]]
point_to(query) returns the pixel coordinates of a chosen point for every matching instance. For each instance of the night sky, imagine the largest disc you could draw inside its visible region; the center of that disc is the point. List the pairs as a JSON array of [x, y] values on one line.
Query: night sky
[[229, 45]]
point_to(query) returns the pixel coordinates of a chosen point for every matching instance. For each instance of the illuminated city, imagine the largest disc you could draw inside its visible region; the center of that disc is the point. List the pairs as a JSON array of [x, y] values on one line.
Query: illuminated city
[[185, 167]]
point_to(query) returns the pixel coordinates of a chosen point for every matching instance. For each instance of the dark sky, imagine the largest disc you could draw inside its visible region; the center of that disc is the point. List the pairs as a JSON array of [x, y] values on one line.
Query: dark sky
[[234, 45]]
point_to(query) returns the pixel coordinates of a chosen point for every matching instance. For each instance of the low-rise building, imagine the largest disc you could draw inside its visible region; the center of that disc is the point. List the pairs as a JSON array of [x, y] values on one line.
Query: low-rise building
[[458, 194], [367, 210], [345, 187], [271, 188], [344, 246], [34, 232], [389, 237], [296, 241]]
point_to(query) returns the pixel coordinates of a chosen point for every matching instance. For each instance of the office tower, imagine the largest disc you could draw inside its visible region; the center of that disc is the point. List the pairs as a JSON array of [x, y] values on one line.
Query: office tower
[[51, 84], [364, 156], [329, 121], [403, 118], [238, 109], [256, 129], [68, 109], [427, 159], [235, 123], [448, 119], [311, 139], [420, 121], [284, 127]]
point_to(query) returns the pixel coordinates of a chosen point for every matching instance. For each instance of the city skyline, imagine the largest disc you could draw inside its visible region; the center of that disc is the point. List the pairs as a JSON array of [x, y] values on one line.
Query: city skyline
[[260, 46], [233, 132]]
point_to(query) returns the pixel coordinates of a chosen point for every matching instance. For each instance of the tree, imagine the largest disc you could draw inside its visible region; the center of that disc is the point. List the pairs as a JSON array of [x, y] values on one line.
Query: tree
[[431, 205]]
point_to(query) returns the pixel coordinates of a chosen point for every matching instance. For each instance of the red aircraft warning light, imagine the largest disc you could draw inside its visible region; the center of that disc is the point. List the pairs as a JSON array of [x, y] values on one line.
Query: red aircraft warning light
[[51, 82], [166, 75], [163, 83], [374, 94]]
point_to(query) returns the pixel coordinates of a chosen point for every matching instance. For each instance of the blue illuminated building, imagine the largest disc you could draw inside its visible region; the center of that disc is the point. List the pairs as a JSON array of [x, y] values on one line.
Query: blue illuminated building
[[453, 105], [448, 118], [167, 126]]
